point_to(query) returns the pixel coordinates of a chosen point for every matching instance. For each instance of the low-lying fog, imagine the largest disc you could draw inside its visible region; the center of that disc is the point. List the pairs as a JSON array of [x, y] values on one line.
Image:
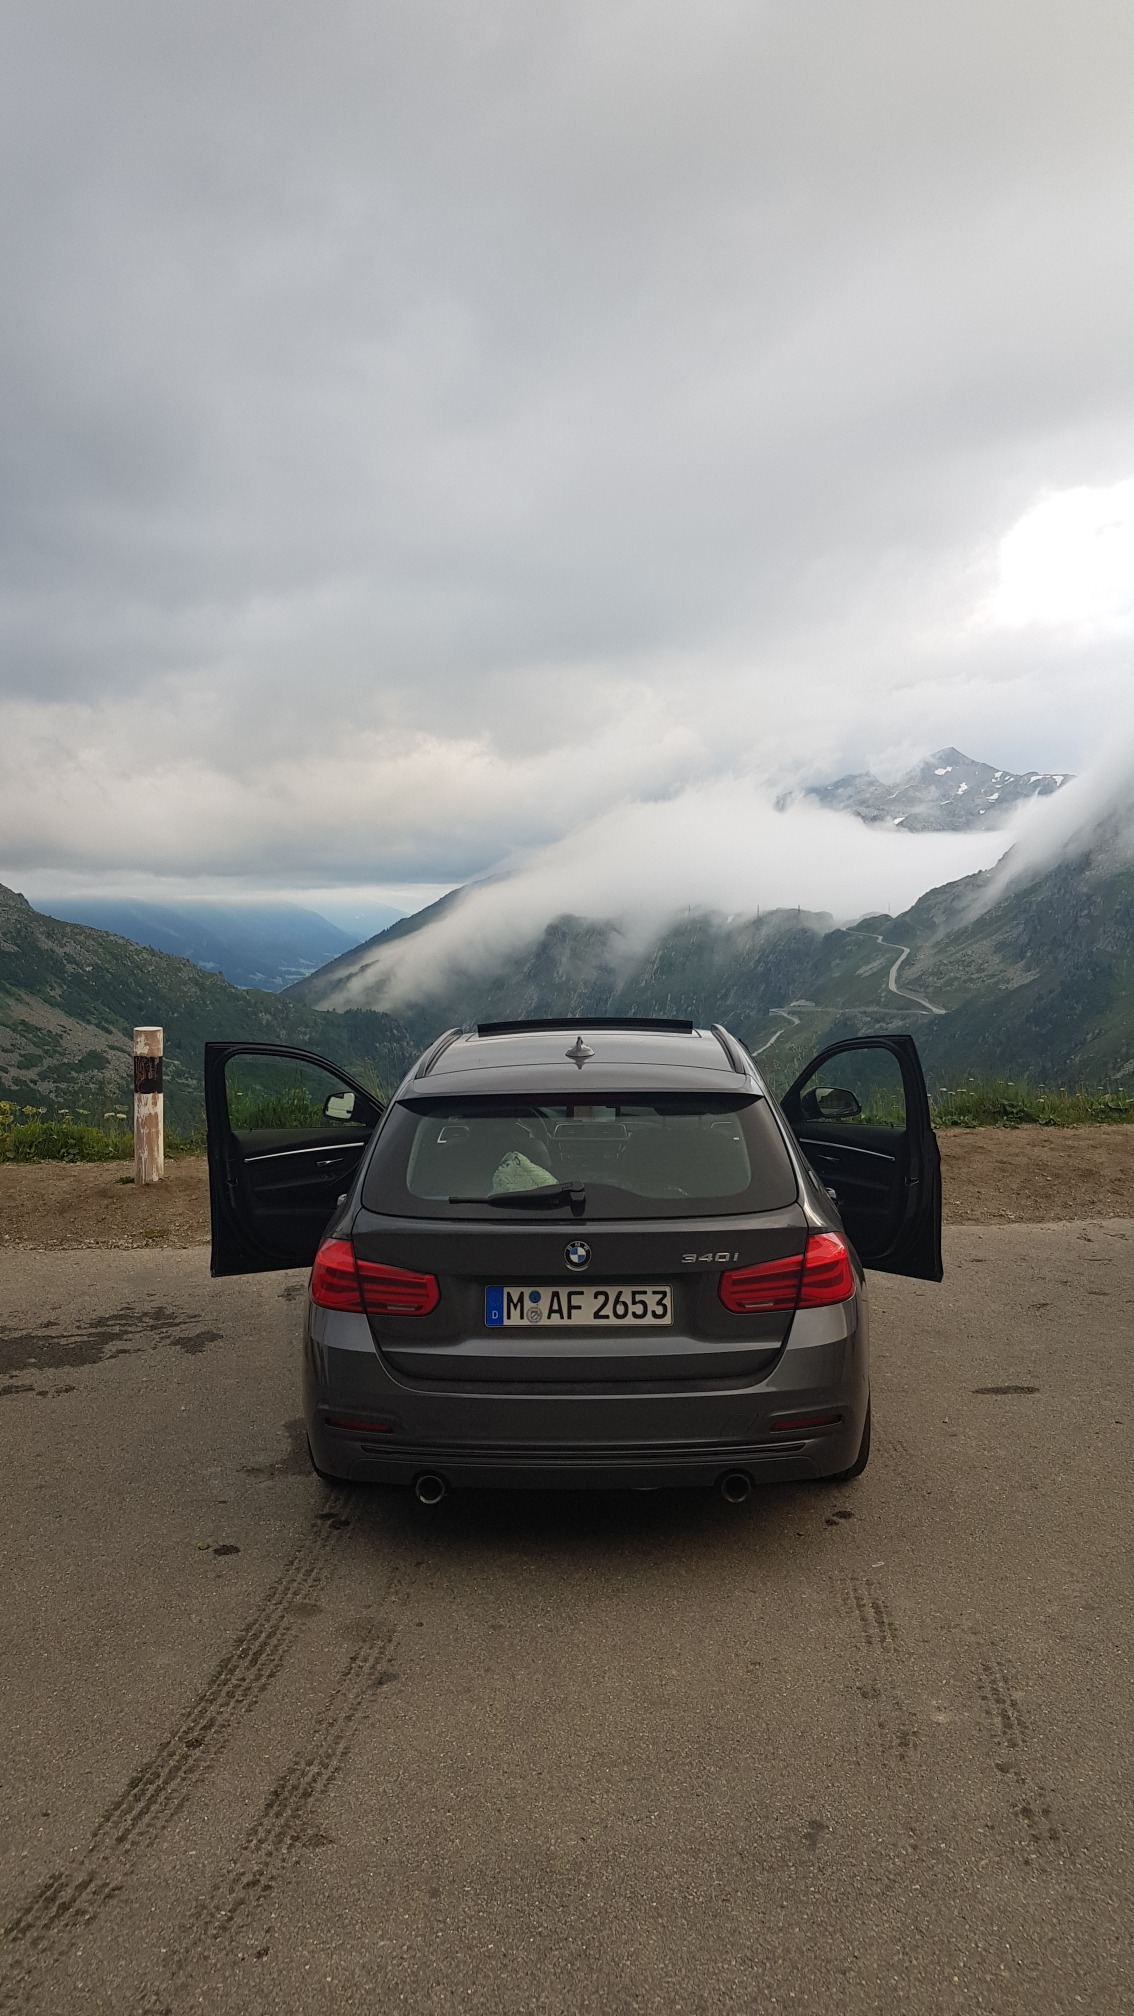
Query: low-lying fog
[[723, 846]]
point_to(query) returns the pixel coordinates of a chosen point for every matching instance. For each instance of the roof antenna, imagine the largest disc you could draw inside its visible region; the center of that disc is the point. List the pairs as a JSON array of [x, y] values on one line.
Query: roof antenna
[[579, 1052]]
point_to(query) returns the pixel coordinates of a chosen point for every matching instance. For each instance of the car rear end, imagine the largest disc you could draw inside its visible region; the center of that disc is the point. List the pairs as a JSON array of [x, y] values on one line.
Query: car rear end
[[613, 1275]]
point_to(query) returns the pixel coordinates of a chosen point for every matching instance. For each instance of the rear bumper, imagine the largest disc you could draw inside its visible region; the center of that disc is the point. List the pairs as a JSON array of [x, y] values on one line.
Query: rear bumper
[[578, 1469], [369, 1427]]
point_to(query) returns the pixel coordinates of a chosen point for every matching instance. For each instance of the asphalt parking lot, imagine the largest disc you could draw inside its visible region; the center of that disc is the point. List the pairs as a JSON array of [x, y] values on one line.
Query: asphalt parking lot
[[270, 1747]]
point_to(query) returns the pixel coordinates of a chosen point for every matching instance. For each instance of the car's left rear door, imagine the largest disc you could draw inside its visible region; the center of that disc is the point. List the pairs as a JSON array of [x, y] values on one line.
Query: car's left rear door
[[860, 1113], [286, 1132]]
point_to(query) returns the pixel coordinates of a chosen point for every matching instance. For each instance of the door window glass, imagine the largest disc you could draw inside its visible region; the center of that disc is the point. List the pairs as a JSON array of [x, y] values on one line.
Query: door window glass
[[858, 1088], [284, 1094]]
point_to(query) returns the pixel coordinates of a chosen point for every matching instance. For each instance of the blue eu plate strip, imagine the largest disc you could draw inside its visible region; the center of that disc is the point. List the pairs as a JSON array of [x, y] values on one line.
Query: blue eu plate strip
[[494, 1307]]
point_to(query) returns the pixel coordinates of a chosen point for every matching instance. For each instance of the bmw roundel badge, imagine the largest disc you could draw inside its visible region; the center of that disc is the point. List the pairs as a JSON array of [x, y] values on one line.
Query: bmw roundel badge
[[577, 1254]]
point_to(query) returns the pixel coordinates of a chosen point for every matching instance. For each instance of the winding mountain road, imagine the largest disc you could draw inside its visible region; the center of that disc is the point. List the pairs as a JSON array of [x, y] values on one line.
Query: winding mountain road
[[768, 1044], [922, 1001], [793, 1020], [907, 993]]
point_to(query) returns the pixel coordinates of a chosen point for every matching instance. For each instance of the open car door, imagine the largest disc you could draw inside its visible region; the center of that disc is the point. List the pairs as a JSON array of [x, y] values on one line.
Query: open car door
[[286, 1131], [860, 1113]]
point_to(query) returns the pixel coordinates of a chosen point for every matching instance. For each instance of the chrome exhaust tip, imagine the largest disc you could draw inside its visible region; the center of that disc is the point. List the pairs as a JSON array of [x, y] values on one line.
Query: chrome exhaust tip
[[429, 1489], [735, 1486]]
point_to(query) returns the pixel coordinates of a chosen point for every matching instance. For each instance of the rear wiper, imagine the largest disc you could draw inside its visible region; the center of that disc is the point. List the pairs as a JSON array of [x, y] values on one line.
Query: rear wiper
[[563, 1193]]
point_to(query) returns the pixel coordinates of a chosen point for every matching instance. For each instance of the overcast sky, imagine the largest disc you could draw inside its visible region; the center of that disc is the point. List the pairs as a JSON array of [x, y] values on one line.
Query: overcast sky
[[429, 425]]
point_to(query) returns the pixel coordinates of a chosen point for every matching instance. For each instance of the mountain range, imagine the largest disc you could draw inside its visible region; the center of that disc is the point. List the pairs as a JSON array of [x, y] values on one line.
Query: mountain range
[[1023, 976], [266, 945], [948, 792], [273, 945], [1029, 978], [71, 995]]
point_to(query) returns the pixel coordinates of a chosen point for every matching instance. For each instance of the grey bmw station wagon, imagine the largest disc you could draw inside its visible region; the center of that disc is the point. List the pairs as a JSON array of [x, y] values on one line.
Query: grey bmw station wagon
[[582, 1252]]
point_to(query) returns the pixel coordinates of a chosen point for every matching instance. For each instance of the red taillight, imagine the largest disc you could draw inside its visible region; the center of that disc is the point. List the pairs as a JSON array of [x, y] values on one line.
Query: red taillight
[[807, 1280], [334, 1278], [340, 1280], [827, 1272], [396, 1291], [772, 1285]]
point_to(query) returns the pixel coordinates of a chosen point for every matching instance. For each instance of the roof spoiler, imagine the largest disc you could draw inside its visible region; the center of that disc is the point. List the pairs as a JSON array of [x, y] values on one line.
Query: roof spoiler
[[668, 1024]]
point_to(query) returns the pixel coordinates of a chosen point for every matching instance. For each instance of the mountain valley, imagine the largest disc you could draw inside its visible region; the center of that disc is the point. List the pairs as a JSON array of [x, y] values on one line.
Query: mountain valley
[[71, 995], [1036, 982]]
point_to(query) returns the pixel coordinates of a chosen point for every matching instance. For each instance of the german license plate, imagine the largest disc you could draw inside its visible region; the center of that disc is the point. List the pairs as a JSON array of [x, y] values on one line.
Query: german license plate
[[610, 1307]]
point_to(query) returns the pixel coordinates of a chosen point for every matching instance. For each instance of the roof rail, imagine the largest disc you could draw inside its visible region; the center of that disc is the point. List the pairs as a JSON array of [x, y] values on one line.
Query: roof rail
[[731, 1048], [670, 1025], [434, 1051]]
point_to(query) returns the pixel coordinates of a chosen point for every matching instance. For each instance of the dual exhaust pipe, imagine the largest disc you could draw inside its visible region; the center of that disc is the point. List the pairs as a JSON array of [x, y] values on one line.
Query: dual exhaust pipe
[[735, 1486]]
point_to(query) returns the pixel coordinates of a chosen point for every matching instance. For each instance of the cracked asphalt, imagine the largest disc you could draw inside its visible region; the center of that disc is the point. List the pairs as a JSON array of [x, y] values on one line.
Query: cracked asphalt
[[271, 1747]]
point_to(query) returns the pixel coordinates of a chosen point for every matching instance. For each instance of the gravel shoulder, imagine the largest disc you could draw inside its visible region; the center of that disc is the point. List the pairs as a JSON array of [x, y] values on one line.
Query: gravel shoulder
[[992, 1175]]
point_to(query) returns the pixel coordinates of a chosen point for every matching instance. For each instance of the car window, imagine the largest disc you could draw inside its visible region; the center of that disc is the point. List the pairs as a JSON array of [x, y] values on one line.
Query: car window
[[648, 1156], [289, 1095], [856, 1088]]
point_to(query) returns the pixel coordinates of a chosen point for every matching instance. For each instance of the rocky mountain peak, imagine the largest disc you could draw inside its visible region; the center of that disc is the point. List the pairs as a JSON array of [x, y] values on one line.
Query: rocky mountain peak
[[946, 792]]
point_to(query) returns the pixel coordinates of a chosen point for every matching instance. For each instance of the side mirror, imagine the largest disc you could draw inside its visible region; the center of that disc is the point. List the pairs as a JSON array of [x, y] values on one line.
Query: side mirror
[[338, 1106], [838, 1104], [831, 1103]]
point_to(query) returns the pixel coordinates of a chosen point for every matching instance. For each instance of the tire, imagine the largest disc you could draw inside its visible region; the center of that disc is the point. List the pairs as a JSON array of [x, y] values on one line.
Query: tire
[[861, 1460], [325, 1476]]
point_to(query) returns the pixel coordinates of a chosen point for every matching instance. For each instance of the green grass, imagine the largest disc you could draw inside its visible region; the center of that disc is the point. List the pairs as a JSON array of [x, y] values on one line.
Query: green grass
[[1002, 1102], [28, 1135], [286, 1105]]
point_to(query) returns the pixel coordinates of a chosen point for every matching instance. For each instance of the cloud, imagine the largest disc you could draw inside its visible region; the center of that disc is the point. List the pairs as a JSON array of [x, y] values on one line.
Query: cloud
[[720, 846], [1069, 562], [424, 427], [350, 804], [1093, 813], [724, 847]]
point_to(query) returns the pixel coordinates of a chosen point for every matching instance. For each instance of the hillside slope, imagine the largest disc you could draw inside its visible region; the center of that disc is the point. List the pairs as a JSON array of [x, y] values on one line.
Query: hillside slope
[[266, 945], [70, 997], [1037, 984]]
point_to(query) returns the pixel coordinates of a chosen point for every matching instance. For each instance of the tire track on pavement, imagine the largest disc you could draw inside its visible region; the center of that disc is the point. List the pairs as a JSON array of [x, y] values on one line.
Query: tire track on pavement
[[287, 1824], [68, 1901], [880, 1685], [1008, 1728]]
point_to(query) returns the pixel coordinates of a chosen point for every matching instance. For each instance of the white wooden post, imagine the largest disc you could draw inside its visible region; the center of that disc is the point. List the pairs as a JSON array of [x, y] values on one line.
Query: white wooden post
[[149, 1105]]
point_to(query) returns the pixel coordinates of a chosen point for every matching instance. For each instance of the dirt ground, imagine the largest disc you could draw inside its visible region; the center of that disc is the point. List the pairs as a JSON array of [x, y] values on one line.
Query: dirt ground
[[96, 1204], [1036, 1175], [992, 1175]]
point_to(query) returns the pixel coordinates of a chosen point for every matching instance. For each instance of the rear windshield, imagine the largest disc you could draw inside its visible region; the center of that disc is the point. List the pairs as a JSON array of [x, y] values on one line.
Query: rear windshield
[[651, 1156]]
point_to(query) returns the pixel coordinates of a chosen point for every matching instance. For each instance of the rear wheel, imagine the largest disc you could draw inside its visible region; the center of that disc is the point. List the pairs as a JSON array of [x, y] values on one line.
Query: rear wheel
[[324, 1476], [861, 1460]]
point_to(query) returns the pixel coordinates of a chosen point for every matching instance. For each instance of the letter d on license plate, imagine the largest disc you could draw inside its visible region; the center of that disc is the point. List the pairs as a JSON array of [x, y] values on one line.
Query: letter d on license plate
[[581, 1308]]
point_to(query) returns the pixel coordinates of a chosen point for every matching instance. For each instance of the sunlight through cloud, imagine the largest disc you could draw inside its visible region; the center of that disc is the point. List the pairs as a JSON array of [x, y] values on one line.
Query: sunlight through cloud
[[1070, 561]]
